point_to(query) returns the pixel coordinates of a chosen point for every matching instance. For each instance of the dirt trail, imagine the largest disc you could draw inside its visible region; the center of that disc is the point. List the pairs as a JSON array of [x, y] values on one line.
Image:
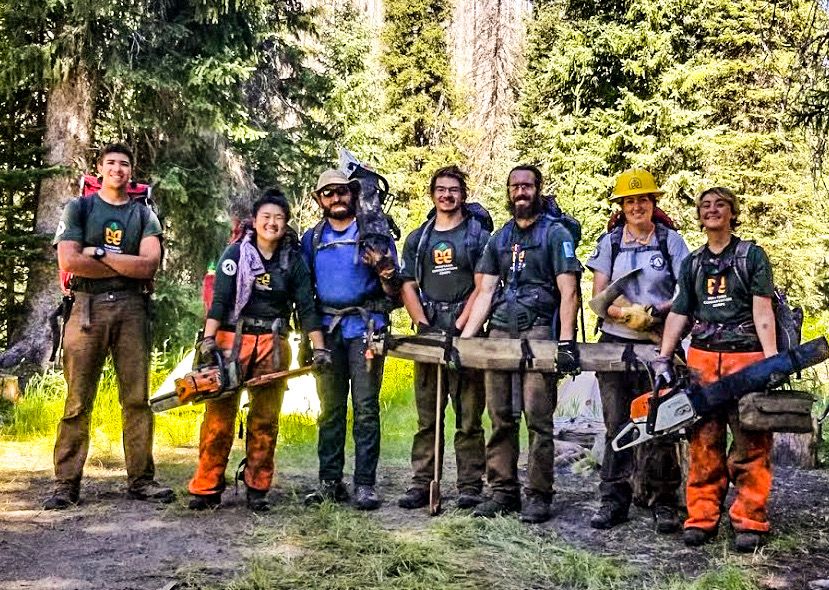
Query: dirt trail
[[114, 543]]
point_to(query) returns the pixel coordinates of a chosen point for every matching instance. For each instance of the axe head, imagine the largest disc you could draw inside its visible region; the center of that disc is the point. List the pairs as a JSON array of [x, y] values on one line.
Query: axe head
[[603, 300], [434, 498]]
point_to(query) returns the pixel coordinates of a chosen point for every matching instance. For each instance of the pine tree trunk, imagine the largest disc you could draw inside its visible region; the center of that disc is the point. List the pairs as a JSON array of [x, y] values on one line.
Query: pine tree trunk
[[67, 142]]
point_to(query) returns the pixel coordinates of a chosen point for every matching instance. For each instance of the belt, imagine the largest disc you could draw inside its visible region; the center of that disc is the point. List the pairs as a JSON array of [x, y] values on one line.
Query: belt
[[257, 326]]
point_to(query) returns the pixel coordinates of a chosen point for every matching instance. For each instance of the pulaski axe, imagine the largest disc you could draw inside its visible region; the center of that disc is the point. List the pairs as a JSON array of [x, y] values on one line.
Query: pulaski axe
[[601, 302]]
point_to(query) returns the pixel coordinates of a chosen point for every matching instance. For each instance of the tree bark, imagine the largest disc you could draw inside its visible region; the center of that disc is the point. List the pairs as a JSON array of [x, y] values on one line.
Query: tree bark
[[67, 142], [797, 450]]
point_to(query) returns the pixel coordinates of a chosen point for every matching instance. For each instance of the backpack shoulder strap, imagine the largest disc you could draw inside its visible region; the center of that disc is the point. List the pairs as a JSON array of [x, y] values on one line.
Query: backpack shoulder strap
[[741, 261], [85, 208], [696, 262], [425, 230], [615, 245], [662, 240], [472, 240]]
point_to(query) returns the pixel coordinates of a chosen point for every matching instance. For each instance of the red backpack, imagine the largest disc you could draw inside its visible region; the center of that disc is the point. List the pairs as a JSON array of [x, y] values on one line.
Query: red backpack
[[88, 185]]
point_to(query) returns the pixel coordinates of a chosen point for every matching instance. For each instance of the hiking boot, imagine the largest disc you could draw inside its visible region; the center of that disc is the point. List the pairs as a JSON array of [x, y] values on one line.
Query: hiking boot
[[61, 499], [608, 516], [694, 537], [748, 541], [366, 498], [329, 490], [204, 502], [497, 506], [151, 491], [535, 510], [469, 498], [666, 519], [414, 498], [258, 500]]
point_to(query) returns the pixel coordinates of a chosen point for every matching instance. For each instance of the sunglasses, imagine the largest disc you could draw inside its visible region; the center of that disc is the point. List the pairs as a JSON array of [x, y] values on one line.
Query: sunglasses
[[340, 190]]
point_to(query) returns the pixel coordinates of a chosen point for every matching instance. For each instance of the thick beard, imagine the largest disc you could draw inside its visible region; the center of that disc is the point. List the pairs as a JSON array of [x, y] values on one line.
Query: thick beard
[[350, 211], [525, 212]]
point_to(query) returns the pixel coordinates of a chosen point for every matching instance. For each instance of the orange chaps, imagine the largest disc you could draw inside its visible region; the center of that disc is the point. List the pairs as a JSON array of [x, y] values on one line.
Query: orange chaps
[[747, 464], [217, 427]]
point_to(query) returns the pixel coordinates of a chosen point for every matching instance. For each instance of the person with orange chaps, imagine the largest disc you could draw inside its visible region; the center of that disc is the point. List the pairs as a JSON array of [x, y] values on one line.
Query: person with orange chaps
[[259, 282], [725, 287]]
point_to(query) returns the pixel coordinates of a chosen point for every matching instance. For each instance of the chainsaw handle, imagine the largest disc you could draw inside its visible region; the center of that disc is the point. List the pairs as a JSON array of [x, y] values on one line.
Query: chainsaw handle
[[653, 402], [219, 359]]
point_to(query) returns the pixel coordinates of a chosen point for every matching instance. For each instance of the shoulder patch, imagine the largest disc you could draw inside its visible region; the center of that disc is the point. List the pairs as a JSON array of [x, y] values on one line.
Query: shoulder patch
[[568, 249], [229, 267], [61, 229], [657, 262]]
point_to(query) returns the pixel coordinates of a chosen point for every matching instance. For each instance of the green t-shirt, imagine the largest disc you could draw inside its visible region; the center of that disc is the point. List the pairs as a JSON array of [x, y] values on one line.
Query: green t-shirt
[[117, 228], [448, 272], [720, 301], [528, 261]]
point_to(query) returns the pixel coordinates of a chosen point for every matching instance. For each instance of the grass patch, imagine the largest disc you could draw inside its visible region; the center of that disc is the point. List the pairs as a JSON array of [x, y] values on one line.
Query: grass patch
[[727, 577]]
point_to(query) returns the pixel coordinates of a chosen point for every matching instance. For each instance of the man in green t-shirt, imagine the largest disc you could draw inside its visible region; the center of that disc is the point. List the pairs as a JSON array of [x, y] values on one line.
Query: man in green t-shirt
[[111, 245], [527, 277], [438, 275]]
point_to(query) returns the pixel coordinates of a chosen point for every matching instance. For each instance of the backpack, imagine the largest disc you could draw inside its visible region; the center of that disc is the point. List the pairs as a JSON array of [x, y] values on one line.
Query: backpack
[[478, 220], [662, 222], [788, 321], [552, 210], [88, 186]]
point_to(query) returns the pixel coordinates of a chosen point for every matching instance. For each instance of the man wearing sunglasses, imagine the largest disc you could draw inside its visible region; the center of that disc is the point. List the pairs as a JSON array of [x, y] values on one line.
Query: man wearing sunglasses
[[355, 287]]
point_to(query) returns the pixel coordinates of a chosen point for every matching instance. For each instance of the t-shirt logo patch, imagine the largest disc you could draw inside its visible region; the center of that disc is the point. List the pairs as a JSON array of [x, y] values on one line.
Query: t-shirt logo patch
[[263, 282], [229, 267], [657, 262], [113, 234], [716, 285], [443, 253]]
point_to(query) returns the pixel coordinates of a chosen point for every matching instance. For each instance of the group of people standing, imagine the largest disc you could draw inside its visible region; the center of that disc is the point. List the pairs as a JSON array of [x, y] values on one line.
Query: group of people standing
[[456, 276]]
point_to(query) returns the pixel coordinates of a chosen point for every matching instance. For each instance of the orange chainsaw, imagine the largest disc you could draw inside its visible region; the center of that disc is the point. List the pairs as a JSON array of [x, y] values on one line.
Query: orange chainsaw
[[215, 380]]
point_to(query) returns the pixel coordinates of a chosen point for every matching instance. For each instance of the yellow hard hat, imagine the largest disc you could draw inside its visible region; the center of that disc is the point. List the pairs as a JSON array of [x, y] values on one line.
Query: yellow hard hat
[[636, 181]]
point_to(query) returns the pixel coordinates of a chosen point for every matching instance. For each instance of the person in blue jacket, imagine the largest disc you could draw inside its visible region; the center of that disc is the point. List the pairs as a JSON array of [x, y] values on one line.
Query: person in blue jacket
[[356, 288]]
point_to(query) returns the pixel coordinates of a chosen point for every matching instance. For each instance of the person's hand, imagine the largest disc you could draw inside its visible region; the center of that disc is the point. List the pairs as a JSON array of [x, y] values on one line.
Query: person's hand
[[207, 349], [567, 358], [663, 369], [637, 317], [322, 360]]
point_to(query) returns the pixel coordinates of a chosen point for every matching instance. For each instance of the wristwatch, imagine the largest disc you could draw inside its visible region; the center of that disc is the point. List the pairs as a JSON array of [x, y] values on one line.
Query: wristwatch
[[99, 253]]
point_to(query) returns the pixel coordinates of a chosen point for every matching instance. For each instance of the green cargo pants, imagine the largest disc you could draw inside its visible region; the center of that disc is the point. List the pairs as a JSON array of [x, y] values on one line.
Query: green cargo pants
[[107, 323], [502, 450], [468, 401]]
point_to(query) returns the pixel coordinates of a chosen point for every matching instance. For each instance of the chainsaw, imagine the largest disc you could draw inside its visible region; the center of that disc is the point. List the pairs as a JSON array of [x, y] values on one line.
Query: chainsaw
[[668, 410], [215, 380]]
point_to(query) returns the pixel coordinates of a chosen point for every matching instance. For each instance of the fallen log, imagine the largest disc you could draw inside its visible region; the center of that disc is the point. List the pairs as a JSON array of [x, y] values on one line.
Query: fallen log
[[505, 354]]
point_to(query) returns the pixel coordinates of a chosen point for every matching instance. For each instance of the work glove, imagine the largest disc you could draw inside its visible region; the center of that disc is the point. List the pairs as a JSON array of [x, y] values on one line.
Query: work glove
[[663, 369], [423, 328], [305, 356], [207, 349], [567, 358], [637, 317], [381, 262], [322, 360]]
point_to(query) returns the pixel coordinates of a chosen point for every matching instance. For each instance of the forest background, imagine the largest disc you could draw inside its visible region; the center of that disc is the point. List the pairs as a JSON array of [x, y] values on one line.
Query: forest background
[[222, 99]]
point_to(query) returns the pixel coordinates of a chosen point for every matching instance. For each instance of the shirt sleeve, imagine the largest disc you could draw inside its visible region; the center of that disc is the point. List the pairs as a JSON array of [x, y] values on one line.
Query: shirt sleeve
[[224, 287], [759, 269], [562, 251], [409, 264], [302, 294], [153, 225], [69, 226], [684, 300], [599, 260], [488, 264]]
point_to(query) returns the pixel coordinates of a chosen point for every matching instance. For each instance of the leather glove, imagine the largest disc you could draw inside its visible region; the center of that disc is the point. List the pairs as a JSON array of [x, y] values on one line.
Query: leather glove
[[322, 360], [305, 355], [381, 262], [207, 349], [567, 358], [663, 369], [427, 329], [636, 317]]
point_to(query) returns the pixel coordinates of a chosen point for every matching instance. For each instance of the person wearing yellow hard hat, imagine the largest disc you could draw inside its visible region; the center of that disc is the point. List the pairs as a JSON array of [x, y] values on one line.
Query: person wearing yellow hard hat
[[635, 265]]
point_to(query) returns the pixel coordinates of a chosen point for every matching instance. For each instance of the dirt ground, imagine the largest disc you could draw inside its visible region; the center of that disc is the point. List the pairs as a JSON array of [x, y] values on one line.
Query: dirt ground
[[111, 542]]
